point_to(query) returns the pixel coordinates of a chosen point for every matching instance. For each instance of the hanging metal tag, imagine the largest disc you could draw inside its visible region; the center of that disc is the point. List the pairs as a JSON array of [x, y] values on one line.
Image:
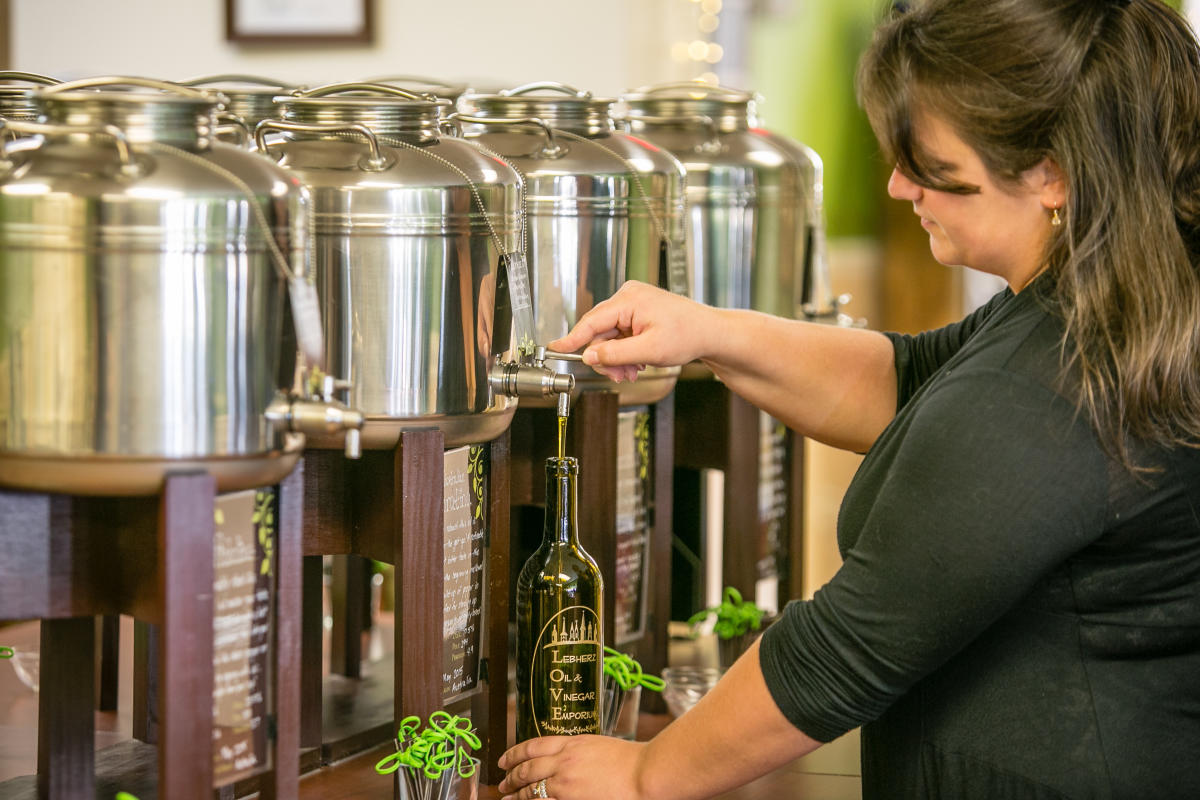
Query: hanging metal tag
[[306, 318], [521, 299], [681, 282]]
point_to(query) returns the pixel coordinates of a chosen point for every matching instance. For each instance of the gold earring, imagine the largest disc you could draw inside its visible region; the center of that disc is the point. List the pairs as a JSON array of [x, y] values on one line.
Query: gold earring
[[1056, 220]]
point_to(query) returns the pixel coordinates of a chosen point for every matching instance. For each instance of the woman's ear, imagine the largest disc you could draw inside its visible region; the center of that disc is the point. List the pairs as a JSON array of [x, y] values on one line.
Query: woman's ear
[[1048, 180]]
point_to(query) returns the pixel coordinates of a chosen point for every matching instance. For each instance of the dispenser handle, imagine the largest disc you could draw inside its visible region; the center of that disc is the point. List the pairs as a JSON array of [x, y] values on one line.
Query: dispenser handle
[[27, 77], [236, 77], [542, 354], [378, 88], [374, 163], [712, 145], [697, 86], [555, 86], [231, 123], [552, 149], [145, 83], [394, 79], [121, 141]]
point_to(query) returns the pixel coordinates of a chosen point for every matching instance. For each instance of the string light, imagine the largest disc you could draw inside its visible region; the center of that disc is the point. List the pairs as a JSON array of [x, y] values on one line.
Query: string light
[[702, 51]]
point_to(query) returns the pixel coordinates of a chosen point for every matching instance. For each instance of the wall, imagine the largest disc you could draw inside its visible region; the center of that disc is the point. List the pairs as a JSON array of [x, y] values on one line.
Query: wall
[[802, 59], [4, 34], [606, 47]]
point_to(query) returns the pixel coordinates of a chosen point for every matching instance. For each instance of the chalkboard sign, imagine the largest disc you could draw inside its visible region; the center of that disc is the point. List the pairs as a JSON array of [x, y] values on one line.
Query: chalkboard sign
[[465, 502], [243, 618], [634, 492], [772, 507]]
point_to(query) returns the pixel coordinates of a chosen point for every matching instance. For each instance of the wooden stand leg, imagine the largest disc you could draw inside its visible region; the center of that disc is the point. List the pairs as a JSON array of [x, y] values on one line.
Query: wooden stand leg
[[654, 652], [312, 633], [108, 633], [66, 726], [793, 587], [145, 681], [349, 586], [420, 573], [185, 589], [282, 782], [368, 607], [490, 709], [740, 546]]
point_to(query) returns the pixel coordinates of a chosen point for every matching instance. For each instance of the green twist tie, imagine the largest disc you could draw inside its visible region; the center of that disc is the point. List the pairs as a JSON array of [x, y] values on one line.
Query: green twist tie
[[627, 672], [443, 745]]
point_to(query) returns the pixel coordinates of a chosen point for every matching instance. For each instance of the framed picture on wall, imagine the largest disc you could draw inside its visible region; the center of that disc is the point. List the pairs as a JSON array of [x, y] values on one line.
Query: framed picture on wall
[[298, 21]]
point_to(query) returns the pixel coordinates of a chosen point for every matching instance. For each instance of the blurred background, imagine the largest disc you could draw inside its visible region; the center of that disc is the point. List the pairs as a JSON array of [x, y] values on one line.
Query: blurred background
[[799, 55]]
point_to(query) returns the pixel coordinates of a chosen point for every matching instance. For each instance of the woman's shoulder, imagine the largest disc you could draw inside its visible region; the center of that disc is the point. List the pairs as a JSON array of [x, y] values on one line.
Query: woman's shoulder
[[1021, 335]]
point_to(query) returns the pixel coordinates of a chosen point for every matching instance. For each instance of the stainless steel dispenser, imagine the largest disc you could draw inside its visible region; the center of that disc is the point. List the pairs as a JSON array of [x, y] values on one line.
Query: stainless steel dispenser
[[434, 88], [144, 271], [412, 233], [603, 207], [755, 224]]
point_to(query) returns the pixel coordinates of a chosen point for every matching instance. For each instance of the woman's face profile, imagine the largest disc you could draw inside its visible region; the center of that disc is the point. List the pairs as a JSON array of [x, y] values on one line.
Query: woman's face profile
[[1000, 229]]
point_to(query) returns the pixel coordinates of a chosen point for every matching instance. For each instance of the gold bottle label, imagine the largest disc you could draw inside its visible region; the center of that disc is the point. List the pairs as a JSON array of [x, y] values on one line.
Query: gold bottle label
[[564, 676]]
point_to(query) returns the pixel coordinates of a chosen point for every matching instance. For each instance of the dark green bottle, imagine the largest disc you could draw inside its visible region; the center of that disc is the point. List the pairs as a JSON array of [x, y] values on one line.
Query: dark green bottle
[[560, 597]]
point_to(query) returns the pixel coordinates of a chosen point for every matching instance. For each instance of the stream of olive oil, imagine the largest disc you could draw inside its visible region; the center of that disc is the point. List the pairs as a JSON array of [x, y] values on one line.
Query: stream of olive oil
[[562, 436]]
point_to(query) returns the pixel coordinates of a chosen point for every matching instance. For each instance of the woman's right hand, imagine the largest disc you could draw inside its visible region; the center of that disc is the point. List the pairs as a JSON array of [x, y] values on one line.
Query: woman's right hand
[[641, 326]]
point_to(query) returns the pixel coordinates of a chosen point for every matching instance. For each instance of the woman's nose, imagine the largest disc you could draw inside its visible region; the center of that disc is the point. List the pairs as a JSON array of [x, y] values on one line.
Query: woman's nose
[[901, 188]]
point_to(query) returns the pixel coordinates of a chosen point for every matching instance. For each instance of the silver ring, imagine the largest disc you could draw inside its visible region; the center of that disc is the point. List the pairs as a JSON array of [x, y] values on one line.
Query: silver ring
[[539, 789]]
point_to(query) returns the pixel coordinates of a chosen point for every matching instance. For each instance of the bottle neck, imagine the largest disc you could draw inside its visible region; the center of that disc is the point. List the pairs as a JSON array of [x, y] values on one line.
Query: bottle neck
[[561, 525]]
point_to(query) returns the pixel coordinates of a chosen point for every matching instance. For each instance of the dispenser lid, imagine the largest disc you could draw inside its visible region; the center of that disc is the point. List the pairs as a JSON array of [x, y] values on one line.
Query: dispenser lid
[[385, 109], [556, 104], [231, 84], [423, 84], [691, 100]]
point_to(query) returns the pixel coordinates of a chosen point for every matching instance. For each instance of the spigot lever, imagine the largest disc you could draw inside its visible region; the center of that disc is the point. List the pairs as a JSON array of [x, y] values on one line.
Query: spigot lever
[[541, 354]]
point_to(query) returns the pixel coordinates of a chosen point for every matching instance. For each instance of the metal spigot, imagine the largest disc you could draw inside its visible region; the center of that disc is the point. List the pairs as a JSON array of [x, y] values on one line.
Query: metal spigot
[[532, 378], [320, 415]]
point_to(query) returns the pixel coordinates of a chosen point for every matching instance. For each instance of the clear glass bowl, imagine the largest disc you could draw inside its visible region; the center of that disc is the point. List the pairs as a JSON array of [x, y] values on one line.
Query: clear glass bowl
[[684, 686], [25, 663]]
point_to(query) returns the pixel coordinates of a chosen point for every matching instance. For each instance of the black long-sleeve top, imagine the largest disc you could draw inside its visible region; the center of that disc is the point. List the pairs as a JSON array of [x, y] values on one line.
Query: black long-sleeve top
[[1017, 615]]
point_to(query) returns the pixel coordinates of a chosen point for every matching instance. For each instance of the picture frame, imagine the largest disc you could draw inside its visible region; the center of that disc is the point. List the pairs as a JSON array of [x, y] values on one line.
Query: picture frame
[[299, 21]]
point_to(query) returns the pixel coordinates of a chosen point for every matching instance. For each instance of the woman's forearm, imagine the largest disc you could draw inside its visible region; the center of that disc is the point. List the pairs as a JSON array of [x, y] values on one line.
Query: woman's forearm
[[735, 734], [835, 385]]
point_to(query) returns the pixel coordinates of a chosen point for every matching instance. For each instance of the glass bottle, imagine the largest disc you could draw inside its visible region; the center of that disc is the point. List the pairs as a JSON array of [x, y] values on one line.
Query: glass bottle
[[560, 598]]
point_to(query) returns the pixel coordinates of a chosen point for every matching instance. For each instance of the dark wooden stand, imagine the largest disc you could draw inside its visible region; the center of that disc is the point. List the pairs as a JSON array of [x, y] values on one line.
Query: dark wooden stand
[[388, 507], [716, 429], [592, 438], [65, 560]]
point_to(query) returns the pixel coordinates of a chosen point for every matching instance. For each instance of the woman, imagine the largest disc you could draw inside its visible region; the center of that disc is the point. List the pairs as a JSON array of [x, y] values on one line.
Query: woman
[[1018, 610]]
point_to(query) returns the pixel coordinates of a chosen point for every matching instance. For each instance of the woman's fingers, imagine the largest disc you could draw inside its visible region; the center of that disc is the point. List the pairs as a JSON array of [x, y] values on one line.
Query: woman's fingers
[[531, 748], [638, 325], [525, 774], [603, 321]]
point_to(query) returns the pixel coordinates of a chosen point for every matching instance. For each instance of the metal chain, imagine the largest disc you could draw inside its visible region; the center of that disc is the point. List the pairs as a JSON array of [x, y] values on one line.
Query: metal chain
[[393, 142], [260, 217], [637, 180]]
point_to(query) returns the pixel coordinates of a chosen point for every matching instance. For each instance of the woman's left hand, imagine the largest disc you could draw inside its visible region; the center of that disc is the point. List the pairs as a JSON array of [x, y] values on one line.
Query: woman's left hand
[[573, 767]]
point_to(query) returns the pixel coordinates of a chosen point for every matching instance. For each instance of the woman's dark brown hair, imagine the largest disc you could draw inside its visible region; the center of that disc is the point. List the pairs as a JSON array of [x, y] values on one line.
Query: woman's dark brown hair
[[1110, 92]]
